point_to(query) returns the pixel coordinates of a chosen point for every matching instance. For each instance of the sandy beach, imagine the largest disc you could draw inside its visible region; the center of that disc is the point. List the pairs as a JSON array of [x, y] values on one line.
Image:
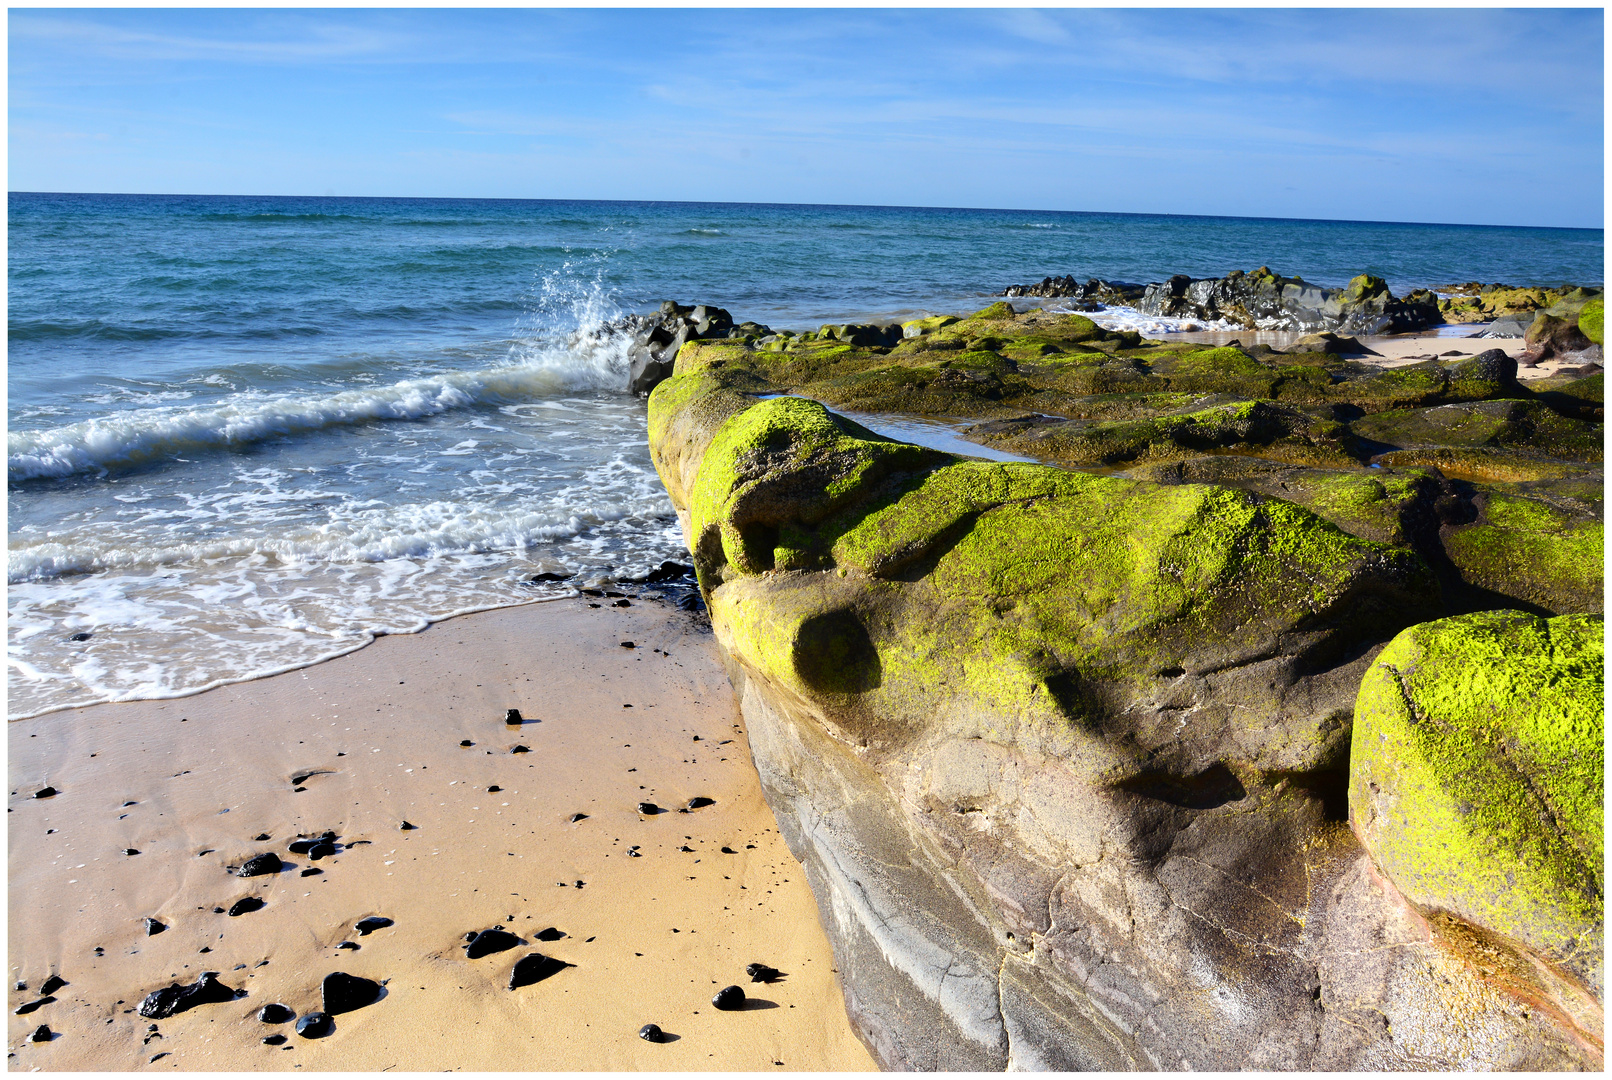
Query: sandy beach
[[652, 913]]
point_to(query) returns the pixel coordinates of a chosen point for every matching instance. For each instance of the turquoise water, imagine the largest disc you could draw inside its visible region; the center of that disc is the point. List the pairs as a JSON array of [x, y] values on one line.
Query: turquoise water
[[250, 433]]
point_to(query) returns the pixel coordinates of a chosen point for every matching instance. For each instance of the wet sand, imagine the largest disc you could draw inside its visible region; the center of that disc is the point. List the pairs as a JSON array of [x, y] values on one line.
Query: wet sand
[[360, 745]]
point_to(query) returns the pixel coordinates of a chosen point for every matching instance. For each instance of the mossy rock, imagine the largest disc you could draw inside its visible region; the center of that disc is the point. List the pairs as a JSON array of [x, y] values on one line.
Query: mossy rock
[[1591, 319], [1578, 398], [1476, 776], [1525, 551], [1505, 423], [920, 327]]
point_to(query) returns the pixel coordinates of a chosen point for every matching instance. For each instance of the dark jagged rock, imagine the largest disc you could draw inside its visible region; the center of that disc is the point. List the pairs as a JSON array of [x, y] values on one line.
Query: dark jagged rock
[[275, 1013], [651, 1033], [371, 924], [407, 826], [700, 801], [341, 992], [550, 576], [657, 338], [315, 1025], [729, 998], [246, 904], [153, 927], [486, 942], [1264, 300], [578, 817], [534, 968], [1095, 291], [262, 836], [761, 973], [553, 933], [42, 1033], [257, 865], [175, 998]]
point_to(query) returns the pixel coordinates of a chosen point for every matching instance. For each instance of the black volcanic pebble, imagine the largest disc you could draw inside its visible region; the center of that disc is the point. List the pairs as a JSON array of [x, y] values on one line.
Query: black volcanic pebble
[[651, 1033], [519, 749], [273, 1040], [371, 924], [52, 984], [246, 904], [466, 742], [311, 871], [494, 788], [352, 945], [648, 808], [257, 865], [407, 825], [578, 817], [513, 716], [41, 1033], [262, 836], [622, 603], [487, 942], [342, 992], [628, 645], [553, 933], [82, 635], [29, 1006], [534, 968], [321, 849], [275, 1014], [728, 851], [44, 793], [153, 927], [729, 998], [761, 973], [700, 800], [171, 999], [131, 851], [315, 1025]]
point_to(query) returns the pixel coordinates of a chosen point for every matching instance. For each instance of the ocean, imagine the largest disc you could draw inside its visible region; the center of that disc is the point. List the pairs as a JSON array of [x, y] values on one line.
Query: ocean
[[250, 433]]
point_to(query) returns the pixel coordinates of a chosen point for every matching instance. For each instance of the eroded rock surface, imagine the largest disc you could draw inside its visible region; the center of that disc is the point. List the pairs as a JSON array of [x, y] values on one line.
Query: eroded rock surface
[[1065, 753]]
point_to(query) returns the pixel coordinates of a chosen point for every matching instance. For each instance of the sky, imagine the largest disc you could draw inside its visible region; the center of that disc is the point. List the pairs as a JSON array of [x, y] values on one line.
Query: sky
[[1472, 116]]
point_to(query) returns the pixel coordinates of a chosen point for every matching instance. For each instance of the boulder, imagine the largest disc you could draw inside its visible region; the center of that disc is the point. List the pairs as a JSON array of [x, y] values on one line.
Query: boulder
[[655, 340], [1264, 300], [1064, 755], [1555, 331], [1476, 777]]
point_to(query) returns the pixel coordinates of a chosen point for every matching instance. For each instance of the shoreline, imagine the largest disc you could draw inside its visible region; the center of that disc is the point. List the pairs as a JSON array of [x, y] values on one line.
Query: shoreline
[[651, 937]]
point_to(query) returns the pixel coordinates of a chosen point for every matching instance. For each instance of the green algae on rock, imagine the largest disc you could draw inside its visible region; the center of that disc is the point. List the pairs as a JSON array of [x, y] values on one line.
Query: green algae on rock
[[1476, 776]]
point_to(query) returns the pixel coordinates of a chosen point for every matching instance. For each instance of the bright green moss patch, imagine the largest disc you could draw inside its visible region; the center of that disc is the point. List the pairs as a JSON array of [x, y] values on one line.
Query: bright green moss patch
[[1476, 775], [1591, 320]]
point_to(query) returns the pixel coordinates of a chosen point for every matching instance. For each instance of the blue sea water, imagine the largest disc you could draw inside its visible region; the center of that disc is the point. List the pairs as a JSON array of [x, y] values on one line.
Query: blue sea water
[[248, 433]]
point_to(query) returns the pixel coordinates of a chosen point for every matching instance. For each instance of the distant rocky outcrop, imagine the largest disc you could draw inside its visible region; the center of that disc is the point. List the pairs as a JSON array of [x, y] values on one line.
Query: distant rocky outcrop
[[1067, 754]]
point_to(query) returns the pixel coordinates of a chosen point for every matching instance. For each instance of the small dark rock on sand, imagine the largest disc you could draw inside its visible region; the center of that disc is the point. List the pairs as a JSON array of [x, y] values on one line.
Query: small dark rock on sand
[[513, 716], [492, 788], [316, 1025], [649, 808], [578, 817], [651, 1033], [350, 945], [273, 1040], [29, 1006], [519, 749], [534, 968], [52, 984], [761, 973], [490, 941], [276, 1014], [42, 1033], [174, 998], [321, 850], [311, 871], [258, 865], [45, 793], [246, 904], [371, 924], [628, 645], [728, 851], [260, 837], [407, 826], [153, 927], [729, 998], [553, 933], [466, 742], [342, 992], [700, 801]]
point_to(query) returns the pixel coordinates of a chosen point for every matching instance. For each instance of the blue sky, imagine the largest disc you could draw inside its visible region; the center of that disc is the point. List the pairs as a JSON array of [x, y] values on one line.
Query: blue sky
[[1480, 116]]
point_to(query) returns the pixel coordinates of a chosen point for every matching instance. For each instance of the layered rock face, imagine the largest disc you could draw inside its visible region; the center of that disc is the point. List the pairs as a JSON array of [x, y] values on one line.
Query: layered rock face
[[1066, 754]]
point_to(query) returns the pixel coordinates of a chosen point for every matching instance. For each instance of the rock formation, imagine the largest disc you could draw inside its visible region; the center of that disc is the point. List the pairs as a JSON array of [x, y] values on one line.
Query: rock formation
[[1066, 754]]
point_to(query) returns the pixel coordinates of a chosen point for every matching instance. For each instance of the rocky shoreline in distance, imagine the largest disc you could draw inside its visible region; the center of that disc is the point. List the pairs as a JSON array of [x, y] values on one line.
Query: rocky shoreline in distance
[[1258, 725]]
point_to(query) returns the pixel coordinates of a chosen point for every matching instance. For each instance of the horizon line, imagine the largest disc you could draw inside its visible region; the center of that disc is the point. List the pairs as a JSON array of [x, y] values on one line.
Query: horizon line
[[826, 206]]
